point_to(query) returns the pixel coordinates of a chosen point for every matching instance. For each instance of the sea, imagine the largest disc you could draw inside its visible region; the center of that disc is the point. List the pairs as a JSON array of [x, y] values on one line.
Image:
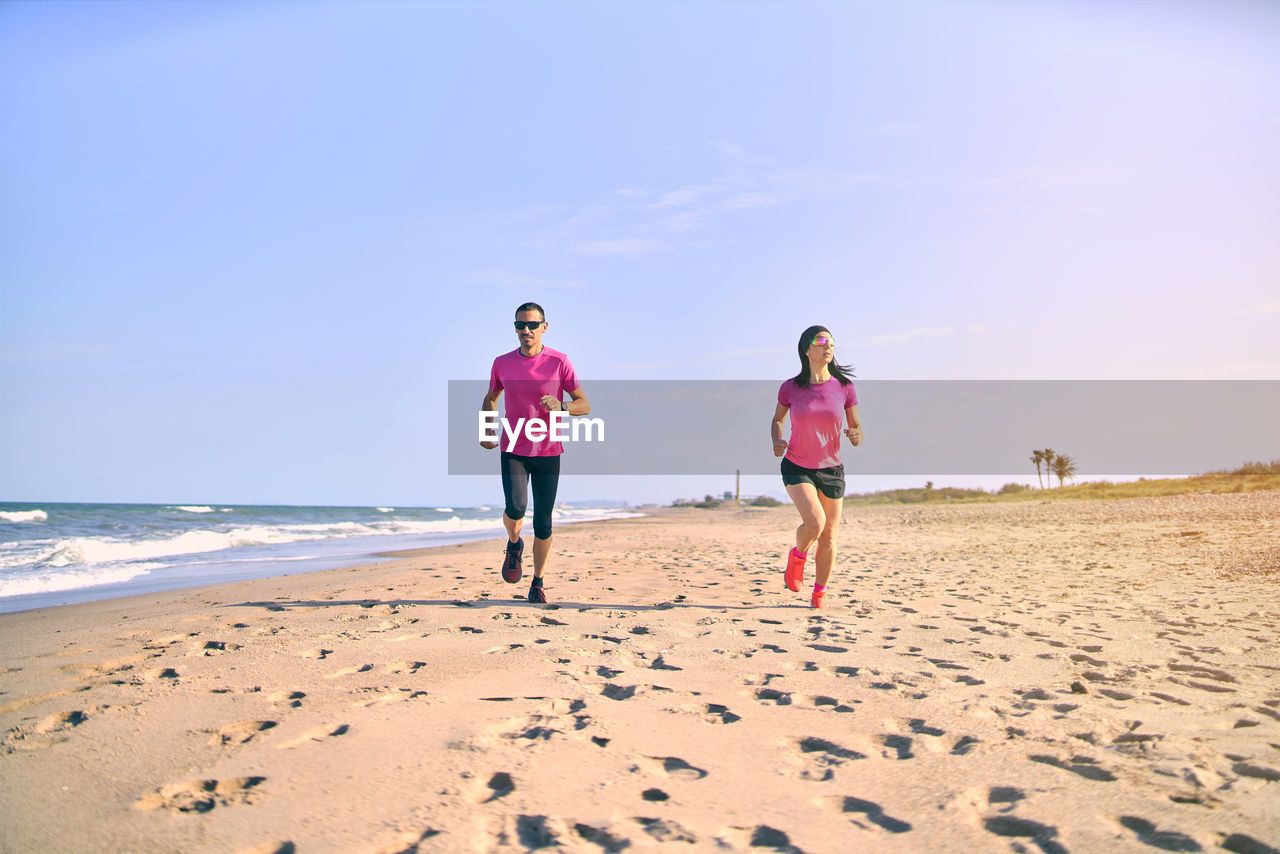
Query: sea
[[59, 554]]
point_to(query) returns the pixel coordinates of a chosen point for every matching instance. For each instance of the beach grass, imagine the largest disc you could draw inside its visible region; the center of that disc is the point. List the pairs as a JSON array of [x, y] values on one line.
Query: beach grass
[[1250, 477]]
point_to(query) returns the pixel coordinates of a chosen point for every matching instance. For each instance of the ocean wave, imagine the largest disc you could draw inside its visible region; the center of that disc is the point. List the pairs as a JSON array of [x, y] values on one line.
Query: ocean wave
[[55, 581], [385, 509], [23, 516], [102, 550], [57, 564], [195, 508]]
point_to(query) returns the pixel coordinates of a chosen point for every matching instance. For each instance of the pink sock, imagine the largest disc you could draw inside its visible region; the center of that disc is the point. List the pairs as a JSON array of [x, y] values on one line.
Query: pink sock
[[800, 554], [818, 588]]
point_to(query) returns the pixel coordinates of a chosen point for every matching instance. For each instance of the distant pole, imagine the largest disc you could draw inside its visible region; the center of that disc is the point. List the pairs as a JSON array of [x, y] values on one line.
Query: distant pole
[[737, 488]]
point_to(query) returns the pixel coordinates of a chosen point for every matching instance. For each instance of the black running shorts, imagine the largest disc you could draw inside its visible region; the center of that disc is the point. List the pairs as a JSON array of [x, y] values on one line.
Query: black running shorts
[[829, 481]]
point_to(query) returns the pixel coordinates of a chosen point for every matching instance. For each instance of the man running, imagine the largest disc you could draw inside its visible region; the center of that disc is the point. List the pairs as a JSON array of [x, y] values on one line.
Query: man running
[[535, 379]]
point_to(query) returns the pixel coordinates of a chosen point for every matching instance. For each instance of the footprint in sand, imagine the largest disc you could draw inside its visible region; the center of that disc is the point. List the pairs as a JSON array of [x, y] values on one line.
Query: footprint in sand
[[538, 832], [319, 733], [871, 812], [1004, 798], [201, 795], [1079, 765], [214, 647], [1165, 840], [716, 713], [897, 747], [665, 830], [292, 698], [1042, 835], [169, 640], [1242, 843], [404, 667], [403, 841], [61, 722], [672, 766], [382, 696], [760, 836], [824, 647], [770, 695], [240, 733], [619, 692], [1257, 771], [349, 671], [919, 727], [498, 786], [285, 847], [819, 757]]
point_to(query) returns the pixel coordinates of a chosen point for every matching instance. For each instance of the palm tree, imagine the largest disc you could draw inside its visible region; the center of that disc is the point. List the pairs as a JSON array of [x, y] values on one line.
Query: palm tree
[[1037, 457], [1047, 455], [1063, 466]]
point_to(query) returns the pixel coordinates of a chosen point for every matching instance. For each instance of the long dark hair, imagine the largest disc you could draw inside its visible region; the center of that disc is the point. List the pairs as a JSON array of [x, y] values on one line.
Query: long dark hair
[[841, 372]]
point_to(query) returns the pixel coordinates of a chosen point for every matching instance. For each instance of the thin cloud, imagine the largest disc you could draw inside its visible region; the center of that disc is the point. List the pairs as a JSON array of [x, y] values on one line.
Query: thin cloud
[[637, 221]]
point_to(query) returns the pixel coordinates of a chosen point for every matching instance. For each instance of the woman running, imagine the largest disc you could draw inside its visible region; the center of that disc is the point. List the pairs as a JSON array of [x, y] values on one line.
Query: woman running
[[820, 398]]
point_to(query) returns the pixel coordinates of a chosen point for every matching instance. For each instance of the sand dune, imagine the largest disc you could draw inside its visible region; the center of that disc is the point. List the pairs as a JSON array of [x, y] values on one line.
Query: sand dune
[[1058, 677]]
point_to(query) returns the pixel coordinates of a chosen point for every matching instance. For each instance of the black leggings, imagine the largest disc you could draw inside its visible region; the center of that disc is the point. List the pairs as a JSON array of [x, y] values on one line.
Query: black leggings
[[517, 472]]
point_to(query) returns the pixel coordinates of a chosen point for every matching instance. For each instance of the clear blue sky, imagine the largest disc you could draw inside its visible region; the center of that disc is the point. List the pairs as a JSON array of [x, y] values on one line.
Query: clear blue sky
[[244, 246]]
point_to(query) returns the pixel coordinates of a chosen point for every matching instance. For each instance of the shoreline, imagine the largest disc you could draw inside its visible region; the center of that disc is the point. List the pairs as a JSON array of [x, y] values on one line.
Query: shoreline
[[322, 556], [1068, 677]]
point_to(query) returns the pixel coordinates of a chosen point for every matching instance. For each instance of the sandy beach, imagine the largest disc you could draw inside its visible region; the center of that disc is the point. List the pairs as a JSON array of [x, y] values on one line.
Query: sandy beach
[[1055, 677]]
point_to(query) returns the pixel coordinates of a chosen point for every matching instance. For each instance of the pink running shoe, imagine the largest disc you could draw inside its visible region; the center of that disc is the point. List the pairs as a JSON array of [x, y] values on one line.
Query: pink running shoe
[[815, 601], [794, 574]]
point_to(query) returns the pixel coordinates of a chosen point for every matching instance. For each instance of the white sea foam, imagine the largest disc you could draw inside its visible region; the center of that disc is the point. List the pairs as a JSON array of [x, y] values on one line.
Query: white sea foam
[[23, 516], [102, 550], [385, 509], [52, 564], [194, 508], [444, 509], [52, 581]]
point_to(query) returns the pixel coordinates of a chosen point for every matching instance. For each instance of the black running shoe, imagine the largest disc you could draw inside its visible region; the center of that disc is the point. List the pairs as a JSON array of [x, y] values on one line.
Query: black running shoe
[[511, 570], [537, 596]]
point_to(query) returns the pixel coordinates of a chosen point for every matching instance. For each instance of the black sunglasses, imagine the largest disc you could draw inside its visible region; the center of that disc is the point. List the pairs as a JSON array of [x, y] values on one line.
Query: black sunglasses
[[528, 324]]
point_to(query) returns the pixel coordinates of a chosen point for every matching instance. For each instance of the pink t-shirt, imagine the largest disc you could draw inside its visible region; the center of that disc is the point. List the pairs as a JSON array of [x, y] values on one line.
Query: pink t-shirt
[[523, 381], [817, 421]]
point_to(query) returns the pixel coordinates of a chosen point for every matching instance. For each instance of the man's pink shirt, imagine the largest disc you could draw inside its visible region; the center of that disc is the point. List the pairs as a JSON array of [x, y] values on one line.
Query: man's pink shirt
[[523, 380]]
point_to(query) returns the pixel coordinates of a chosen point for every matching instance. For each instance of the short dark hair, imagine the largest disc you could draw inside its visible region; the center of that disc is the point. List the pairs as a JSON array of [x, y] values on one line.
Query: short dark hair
[[532, 306]]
